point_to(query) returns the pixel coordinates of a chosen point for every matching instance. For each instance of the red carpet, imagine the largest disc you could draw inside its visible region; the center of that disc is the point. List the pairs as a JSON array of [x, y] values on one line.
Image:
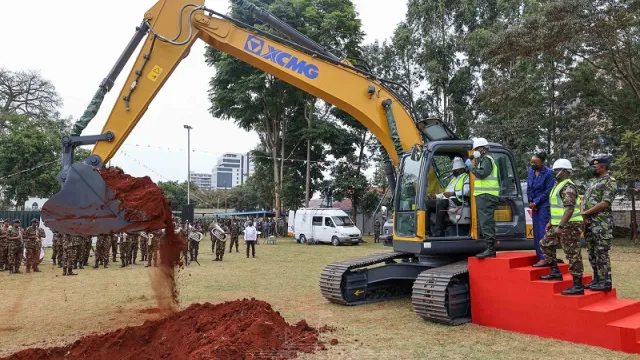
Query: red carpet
[[506, 294]]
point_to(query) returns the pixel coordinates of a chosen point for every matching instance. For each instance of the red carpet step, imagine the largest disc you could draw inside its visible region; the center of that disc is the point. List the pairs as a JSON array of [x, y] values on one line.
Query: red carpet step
[[506, 294]]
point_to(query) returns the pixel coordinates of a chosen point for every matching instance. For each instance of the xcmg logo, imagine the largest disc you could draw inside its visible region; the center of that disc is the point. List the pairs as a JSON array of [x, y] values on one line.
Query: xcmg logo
[[255, 46]]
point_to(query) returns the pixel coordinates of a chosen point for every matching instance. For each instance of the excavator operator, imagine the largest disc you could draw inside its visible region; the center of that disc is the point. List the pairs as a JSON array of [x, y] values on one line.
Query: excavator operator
[[455, 191]]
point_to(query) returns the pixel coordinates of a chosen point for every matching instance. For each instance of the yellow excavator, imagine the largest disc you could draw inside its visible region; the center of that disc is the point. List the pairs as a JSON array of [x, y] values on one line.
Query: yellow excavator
[[432, 270]]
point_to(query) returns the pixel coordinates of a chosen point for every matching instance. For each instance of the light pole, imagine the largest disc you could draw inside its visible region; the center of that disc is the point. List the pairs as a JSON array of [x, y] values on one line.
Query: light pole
[[188, 163]]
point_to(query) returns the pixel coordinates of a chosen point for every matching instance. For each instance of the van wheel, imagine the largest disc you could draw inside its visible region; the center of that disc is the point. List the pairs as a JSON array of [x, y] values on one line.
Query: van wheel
[[302, 239], [335, 241]]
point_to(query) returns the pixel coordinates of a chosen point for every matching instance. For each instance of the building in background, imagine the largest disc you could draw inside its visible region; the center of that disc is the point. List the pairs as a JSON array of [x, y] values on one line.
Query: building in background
[[233, 169], [201, 180]]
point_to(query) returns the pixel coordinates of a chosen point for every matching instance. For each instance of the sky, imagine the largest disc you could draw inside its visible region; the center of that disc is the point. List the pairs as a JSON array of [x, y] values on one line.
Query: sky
[[74, 43]]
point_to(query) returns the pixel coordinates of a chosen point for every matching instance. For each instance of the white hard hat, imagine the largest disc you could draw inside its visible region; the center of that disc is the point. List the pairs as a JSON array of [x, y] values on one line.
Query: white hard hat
[[457, 163], [477, 142], [562, 164]]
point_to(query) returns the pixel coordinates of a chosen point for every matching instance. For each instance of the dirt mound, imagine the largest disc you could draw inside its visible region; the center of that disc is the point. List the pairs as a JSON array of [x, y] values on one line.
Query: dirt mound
[[241, 329]]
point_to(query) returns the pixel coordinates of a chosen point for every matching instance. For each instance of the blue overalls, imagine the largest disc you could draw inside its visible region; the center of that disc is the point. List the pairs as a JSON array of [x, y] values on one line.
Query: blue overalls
[[538, 189]]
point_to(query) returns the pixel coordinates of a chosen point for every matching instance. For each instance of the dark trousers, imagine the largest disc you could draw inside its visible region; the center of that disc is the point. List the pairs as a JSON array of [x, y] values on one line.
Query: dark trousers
[[252, 245], [540, 219], [486, 205], [438, 207], [194, 247], [234, 240]]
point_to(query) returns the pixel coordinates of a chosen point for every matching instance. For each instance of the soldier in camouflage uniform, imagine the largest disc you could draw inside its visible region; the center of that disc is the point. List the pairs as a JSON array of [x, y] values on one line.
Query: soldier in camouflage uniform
[[125, 248], [133, 248], [102, 250], [114, 246], [221, 243], [14, 237], [87, 250], [596, 210], [564, 228], [54, 247], [154, 247], [143, 245], [33, 241], [234, 232], [4, 246], [70, 250], [376, 231], [77, 241]]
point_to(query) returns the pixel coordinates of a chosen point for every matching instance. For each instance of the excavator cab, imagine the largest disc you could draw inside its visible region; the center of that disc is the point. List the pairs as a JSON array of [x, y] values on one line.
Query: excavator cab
[[423, 176]]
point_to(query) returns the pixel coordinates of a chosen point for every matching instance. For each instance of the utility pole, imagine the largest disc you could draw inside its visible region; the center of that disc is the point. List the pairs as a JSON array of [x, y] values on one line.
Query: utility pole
[[188, 163]]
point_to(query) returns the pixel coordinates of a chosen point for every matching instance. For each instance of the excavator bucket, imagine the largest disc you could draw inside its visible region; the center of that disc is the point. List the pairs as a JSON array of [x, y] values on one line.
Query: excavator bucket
[[86, 206]]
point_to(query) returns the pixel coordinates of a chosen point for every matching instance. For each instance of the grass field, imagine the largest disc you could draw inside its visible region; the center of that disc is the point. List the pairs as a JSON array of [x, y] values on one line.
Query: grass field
[[47, 309]]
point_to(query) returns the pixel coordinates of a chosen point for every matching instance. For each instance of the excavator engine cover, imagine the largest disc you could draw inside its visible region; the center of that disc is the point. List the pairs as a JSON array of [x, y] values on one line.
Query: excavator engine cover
[[85, 206]]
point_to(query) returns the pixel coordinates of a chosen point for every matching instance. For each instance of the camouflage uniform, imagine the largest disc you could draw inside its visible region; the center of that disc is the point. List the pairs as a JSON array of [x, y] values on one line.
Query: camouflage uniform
[[598, 231], [54, 247], [102, 250], [70, 251], [33, 242], [143, 245], [235, 233], [114, 247], [221, 244], [87, 250], [376, 230], [133, 248], [125, 248], [4, 247], [14, 257], [59, 250], [78, 242], [154, 247], [569, 238]]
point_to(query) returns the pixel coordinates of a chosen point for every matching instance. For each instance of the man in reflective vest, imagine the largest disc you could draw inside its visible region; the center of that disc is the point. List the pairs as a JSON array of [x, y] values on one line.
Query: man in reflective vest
[[456, 189], [486, 191], [564, 228]]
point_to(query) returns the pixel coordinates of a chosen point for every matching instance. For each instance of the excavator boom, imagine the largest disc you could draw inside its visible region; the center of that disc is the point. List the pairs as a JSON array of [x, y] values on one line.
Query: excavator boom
[[172, 27]]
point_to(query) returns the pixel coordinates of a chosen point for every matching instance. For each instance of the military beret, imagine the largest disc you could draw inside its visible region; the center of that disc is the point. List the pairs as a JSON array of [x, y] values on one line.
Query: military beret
[[16, 221], [599, 160], [34, 220]]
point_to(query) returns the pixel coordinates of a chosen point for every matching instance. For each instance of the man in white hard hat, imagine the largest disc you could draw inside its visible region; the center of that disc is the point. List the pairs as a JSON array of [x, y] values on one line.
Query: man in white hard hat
[[564, 228], [486, 191], [457, 188]]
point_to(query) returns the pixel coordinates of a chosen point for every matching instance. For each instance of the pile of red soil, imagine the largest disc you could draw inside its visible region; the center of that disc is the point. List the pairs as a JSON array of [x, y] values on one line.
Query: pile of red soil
[[145, 204], [241, 329]]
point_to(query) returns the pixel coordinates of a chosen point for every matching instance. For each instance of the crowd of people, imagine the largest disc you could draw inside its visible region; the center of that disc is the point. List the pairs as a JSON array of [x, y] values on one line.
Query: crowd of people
[[72, 252]]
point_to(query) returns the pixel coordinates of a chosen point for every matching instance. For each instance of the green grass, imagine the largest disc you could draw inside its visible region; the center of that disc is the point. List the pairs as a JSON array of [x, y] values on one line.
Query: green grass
[[47, 309]]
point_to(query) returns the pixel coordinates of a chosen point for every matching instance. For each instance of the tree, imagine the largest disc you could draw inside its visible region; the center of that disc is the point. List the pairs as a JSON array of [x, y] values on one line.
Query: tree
[[348, 183], [627, 163], [27, 93], [176, 193], [260, 102]]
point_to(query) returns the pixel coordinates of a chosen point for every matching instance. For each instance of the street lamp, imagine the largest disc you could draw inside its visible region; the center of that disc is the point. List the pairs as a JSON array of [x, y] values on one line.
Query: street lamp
[[188, 163]]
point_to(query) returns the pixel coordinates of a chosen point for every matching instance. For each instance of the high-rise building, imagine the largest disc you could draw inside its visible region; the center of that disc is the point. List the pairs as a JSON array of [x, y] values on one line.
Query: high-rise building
[[232, 170], [202, 180]]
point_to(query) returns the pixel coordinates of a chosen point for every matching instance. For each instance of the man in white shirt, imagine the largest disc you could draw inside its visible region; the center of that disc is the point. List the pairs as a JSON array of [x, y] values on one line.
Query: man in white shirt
[[250, 237], [457, 188]]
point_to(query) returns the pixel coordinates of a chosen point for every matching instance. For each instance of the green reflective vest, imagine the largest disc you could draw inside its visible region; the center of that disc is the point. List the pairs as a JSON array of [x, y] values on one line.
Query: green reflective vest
[[489, 185], [557, 206], [459, 185]]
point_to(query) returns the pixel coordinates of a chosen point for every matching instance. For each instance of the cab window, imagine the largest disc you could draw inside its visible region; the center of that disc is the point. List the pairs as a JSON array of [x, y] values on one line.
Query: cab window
[[316, 221], [506, 177], [328, 222]]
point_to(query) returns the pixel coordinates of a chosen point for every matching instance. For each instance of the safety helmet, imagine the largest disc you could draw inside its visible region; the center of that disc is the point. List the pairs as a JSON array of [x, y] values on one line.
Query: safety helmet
[[478, 142], [562, 164], [457, 163]]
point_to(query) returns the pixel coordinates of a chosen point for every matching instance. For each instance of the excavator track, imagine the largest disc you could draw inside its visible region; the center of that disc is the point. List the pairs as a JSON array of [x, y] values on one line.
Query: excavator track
[[346, 283], [442, 294]]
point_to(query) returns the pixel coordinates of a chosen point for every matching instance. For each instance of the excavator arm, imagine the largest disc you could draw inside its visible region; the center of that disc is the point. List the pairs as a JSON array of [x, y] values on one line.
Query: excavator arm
[[172, 27]]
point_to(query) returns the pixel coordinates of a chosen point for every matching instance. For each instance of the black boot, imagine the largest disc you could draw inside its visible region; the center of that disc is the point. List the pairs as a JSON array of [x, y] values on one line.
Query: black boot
[[96, 265], [594, 281], [64, 271], [16, 270], [54, 261], [604, 285], [490, 251], [555, 273], [70, 271], [35, 269], [577, 288]]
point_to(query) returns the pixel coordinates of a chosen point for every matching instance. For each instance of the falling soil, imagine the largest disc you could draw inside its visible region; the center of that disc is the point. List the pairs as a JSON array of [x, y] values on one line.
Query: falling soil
[[241, 329], [143, 201]]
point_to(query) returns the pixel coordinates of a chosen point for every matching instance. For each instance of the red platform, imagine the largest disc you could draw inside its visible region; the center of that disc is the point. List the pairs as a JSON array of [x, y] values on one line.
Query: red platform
[[506, 294]]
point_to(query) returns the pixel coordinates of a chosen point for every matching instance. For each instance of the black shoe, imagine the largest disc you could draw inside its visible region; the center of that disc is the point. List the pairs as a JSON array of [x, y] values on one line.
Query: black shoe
[[16, 270], [541, 263], [595, 280], [70, 271], [64, 271], [555, 273], [577, 288], [488, 253], [36, 269], [95, 266], [602, 286]]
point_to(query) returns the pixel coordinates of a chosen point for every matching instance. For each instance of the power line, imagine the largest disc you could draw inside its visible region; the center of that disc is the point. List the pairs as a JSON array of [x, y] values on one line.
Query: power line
[[27, 170]]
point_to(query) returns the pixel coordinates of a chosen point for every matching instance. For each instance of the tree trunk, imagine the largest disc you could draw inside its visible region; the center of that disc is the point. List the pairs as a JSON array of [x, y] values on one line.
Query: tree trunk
[[634, 221], [308, 113], [281, 177]]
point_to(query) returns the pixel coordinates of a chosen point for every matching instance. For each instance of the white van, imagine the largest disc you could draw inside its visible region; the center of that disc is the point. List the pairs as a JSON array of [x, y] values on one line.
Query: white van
[[325, 225]]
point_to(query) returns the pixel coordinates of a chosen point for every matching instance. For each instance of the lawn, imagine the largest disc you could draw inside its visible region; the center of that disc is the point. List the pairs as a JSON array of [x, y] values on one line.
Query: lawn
[[46, 309]]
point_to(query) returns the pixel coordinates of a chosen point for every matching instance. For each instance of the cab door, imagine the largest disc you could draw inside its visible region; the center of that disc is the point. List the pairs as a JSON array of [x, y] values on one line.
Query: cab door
[[510, 216]]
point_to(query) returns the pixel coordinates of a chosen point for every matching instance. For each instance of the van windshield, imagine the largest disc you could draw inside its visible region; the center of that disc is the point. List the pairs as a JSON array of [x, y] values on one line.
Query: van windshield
[[342, 221]]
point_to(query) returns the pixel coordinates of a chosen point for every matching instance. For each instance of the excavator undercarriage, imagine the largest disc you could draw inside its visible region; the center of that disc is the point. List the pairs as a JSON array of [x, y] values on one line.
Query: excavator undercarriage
[[438, 286]]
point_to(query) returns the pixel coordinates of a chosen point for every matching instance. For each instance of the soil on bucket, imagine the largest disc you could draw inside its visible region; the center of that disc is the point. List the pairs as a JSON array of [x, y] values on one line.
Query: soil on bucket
[[241, 329]]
